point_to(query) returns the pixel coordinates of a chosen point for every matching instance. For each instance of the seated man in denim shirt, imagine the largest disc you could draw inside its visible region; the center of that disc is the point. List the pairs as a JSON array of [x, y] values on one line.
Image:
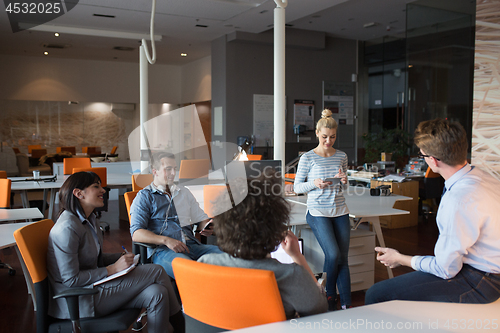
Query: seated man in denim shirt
[[163, 213]]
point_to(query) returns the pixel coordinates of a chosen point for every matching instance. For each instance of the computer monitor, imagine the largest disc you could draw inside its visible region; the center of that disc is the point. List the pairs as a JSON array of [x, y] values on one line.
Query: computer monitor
[[283, 257], [251, 169]]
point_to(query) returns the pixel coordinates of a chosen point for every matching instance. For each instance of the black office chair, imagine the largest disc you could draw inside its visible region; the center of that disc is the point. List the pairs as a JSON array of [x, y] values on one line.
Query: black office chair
[[32, 241], [432, 189]]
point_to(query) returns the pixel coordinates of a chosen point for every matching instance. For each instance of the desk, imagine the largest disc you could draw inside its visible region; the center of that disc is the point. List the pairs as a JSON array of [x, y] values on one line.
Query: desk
[[395, 316], [114, 180], [19, 214], [362, 206]]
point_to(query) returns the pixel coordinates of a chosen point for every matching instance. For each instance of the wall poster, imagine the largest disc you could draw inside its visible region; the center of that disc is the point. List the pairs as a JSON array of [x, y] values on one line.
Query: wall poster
[[303, 113]]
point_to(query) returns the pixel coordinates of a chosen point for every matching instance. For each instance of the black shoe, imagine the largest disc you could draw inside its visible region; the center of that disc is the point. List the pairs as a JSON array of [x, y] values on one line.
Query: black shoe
[[332, 303]]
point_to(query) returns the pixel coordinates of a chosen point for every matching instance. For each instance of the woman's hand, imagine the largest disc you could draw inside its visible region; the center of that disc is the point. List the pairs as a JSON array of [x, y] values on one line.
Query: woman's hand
[[124, 262], [319, 183], [342, 176]]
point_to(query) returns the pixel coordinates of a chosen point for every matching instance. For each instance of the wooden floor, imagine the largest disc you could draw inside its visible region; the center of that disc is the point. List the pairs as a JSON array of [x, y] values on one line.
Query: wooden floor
[[17, 313]]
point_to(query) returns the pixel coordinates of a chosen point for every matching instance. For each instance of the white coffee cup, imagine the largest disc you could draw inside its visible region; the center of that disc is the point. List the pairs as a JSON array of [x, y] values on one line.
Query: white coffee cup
[[36, 174]]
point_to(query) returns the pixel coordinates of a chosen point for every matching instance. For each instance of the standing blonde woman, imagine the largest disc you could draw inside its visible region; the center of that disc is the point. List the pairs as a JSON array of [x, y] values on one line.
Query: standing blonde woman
[[327, 213]]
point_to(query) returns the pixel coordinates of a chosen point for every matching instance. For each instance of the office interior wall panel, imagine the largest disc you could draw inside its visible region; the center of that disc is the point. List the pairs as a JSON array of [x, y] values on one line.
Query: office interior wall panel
[[486, 111]]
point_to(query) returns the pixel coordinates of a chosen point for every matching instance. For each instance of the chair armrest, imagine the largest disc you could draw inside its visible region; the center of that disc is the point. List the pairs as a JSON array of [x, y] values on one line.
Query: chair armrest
[[142, 249], [71, 296]]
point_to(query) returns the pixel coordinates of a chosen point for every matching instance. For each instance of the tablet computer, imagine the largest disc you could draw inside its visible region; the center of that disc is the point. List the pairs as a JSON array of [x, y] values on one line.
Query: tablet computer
[[334, 181], [283, 257]]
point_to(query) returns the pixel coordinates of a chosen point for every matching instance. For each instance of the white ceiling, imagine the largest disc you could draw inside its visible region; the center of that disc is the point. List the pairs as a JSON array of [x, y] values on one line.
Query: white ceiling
[[176, 20]]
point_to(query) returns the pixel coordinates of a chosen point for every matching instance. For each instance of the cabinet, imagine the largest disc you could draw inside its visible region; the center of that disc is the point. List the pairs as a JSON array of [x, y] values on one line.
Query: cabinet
[[408, 189], [361, 256]]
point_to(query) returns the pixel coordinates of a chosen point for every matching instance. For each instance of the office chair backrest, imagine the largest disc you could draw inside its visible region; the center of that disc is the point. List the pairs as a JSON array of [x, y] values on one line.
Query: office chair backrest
[[129, 198], [252, 157], [113, 151], [141, 180], [5, 192], [194, 169], [75, 162], [431, 174], [32, 241], [235, 297], [70, 149], [16, 150], [3, 174], [91, 150], [31, 147], [37, 153], [101, 172], [210, 193]]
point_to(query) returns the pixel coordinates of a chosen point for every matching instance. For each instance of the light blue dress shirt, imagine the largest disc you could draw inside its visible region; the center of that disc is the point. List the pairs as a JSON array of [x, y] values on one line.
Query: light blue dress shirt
[[468, 219]]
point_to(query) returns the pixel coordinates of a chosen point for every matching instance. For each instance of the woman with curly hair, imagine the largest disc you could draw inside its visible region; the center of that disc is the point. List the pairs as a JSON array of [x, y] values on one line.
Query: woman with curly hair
[[327, 213], [254, 228]]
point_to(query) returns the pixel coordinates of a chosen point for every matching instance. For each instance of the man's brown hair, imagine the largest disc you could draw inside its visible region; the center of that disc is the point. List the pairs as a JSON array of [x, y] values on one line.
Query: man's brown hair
[[442, 139]]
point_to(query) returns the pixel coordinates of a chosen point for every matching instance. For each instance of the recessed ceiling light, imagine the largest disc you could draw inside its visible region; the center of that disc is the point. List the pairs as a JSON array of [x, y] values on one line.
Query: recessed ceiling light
[[56, 34], [264, 11], [184, 55], [123, 48], [202, 26], [410, 66], [103, 15], [45, 53]]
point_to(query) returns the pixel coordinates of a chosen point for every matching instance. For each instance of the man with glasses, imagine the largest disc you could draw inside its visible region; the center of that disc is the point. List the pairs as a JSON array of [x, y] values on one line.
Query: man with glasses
[[466, 264]]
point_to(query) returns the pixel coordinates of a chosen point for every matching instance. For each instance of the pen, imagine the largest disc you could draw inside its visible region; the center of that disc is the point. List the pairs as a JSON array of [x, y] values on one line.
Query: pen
[[124, 249]]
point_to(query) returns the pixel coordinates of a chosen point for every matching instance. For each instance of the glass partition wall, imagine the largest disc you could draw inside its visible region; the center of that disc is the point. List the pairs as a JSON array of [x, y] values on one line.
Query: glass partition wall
[[423, 74]]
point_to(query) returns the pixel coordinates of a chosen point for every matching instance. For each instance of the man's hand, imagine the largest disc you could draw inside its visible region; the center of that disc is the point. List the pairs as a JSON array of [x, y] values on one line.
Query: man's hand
[[392, 258], [176, 245], [206, 230], [124, 262], [291, 245]]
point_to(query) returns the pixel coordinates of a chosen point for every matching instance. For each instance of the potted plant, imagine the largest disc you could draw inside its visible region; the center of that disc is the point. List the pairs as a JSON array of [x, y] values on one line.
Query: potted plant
[[395, 141]]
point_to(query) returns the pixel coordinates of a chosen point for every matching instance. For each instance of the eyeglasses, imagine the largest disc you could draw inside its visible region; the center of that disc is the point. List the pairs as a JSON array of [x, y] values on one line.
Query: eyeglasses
[[422, 156]]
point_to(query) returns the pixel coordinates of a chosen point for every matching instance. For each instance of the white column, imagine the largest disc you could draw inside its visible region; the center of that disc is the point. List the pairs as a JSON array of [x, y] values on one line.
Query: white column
[[279, 81], [144, 101]]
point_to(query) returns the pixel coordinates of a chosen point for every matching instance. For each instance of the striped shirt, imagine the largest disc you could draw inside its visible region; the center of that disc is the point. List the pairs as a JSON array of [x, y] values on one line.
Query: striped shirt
[[321, 202]]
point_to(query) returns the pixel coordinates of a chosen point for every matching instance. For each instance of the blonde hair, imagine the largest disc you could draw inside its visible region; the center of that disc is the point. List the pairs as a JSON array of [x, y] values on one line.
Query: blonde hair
[[326, 121]]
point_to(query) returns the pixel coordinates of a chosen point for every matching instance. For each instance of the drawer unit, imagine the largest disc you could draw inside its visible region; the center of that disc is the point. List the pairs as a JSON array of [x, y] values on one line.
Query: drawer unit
[[361, 256]]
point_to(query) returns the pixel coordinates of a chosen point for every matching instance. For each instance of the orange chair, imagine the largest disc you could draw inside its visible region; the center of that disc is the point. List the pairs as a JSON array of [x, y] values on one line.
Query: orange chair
[[5, 185], [3, 174], [194, 169], [113, 151], [254, 157], [129, 198], [237, 297], [72, 150], [31, 147], [37, 153], [210, 193], [141, 180], [91, 150], [75, 162], [32, 241]]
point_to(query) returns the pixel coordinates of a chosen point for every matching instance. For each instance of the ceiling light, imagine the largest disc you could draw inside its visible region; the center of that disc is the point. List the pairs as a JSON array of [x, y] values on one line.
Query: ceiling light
[[45, 53], [56, 34], [184, 55], [89, 32], [368, 25]]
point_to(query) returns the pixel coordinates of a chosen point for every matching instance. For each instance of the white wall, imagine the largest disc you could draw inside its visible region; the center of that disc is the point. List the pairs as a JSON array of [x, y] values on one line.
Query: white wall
[[197, 81], [52, 79]]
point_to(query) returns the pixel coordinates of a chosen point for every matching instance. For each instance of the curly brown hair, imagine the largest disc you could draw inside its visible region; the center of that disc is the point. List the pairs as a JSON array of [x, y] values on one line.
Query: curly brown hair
[[257, 225]]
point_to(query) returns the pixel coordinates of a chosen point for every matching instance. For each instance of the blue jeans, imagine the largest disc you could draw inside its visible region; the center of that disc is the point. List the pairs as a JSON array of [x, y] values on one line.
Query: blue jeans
[[164, 256], [333, 235], [468, 286]]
